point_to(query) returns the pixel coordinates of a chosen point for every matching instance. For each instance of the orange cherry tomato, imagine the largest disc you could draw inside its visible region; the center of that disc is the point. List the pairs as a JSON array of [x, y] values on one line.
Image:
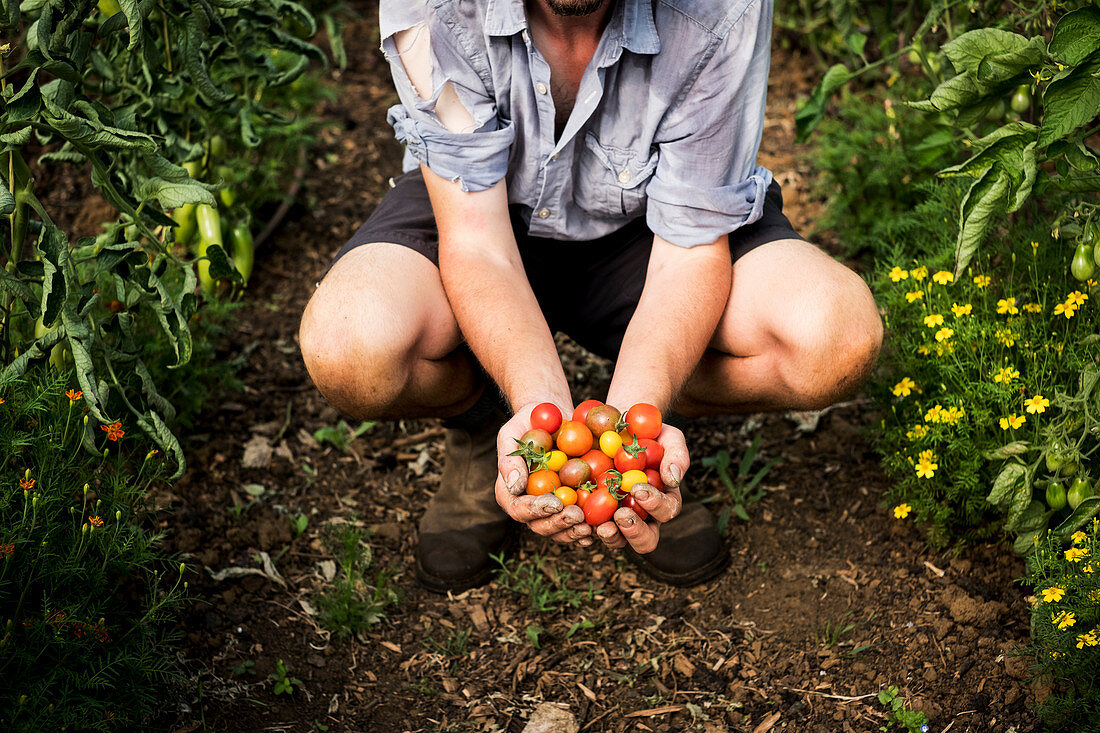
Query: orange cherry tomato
[[643, 420], [542, 482], [598, 461], [574, 438], [567, 495]]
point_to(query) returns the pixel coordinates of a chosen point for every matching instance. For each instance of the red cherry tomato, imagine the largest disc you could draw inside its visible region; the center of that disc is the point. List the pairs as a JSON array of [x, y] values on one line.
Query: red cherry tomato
[[582, 497], [600, 507], [624, 461], [609, 480], [546, 417], [631, 503], [598, 461], [653, 478], [574, 439], [654, 453], [581, 413], [542, 482], [643, 420]]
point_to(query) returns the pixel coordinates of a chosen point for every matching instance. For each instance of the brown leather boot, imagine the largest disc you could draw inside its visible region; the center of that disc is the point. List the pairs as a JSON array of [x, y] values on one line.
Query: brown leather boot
[[463, 524], [689, 552]]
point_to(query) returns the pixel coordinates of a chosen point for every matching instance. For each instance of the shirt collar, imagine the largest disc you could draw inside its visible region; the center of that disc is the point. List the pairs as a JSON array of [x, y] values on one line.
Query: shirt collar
[[631, 22]]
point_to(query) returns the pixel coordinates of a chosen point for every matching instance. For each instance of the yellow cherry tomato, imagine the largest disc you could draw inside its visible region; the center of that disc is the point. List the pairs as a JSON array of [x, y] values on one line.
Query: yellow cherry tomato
[[556, 459], [567, 495], [631, 477], [610, 443]]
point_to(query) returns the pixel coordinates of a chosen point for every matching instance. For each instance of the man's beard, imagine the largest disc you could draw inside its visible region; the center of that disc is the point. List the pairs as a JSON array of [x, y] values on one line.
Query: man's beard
[[574, 7]]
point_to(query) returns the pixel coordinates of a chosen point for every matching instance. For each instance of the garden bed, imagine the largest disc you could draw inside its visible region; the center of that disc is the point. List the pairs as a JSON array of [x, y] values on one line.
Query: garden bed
[[829, 598]]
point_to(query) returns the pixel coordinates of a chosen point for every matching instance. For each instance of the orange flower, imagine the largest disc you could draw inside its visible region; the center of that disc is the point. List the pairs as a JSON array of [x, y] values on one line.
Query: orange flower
[[95, 521], [26, 484], [74, 394], [114, 431], [7, 550]]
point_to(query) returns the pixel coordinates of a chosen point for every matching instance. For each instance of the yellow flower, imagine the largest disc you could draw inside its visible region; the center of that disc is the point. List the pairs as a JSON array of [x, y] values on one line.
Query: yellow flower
[[1007, 305], [919, 273], [944, 333], [1063, 619], [926, 468], [1053, 594], [1005, 375], [1005, 336], [95, 521], [1032, 307], [924, 349], [1034, 247], [1088, 638], [934, 414], [1012, 421], [1065, 309], [914, 295], [898, 274], [1077, 298], [1037, 404], [933, 320], [961, 310], [928, 455], [982, 281], [1078, 537], [943, 277], [901, 511], [917, 432], [1076, 554], [952, 415], [904, 387]]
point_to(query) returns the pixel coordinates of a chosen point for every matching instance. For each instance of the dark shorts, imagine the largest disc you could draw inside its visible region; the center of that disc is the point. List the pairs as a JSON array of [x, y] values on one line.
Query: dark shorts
[[588, 289]]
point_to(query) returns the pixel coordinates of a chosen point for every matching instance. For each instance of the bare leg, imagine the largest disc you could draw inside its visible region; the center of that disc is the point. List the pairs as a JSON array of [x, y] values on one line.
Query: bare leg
[[800, 331], [379, 339]]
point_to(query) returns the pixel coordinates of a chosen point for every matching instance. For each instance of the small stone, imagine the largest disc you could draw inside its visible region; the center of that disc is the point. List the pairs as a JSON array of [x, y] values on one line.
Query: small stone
[[549, 717]]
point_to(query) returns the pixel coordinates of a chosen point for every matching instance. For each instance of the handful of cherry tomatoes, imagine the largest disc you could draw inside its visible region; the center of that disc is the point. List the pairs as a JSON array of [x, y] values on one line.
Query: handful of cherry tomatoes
[[595, 458]]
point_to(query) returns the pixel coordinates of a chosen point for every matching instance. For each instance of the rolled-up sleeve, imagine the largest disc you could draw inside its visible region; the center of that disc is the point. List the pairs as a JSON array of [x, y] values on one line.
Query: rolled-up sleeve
[[476, 157], [707, 182]]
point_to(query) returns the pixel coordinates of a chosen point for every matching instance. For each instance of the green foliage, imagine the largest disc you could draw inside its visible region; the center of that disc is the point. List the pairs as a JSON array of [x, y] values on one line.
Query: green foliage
[[831, 633], [1065, 626], [88, 596], [351, 604], [284, 684], [341, 435], [976, 377], [548, 590], [898, 712], [136, 109], [744, 488]]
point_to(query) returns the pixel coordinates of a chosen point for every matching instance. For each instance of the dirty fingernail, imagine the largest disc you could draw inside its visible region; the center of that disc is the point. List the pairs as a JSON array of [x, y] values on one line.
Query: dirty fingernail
[[676, 475], [642, 494], [552, 506], [513, 484], [627, 521]]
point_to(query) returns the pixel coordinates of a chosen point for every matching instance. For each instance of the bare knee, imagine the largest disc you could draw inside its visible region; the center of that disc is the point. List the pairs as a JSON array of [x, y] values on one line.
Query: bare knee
[[360, 361]]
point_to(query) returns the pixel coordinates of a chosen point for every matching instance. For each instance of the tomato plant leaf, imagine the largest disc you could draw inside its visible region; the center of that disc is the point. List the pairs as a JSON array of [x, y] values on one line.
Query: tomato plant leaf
[[54, 251], [7, 202], [1006, 482], [1076, 153], [984, 200], [172, 195], [1002, 68], [153, 425], [1015, 448], [807, 118], [1085, 511], [1071, 102], [1076, 36], [967, 51], [958, 91]]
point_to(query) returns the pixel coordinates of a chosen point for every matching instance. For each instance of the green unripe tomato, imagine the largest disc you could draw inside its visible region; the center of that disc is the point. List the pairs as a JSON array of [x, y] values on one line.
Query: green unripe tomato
[[913, 56], [996, 113], [243, 249], [1056, 496], [1069, 468], [1079, 490], [109, 7], [1082, 265], [1055, 457], [218, 147], [1021, 99], [186, 224]]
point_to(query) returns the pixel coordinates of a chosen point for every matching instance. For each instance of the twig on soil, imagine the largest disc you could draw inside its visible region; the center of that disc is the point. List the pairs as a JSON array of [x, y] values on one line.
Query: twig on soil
[[842, 698], [422, 437], [934, 569]]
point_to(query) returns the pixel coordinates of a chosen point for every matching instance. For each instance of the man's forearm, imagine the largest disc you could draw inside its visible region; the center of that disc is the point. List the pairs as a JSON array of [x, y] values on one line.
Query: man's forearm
[[685, 294], [490, 296]]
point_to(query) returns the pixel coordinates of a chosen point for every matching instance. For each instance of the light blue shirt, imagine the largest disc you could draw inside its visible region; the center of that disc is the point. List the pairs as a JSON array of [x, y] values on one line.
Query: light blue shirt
[[666, 124]]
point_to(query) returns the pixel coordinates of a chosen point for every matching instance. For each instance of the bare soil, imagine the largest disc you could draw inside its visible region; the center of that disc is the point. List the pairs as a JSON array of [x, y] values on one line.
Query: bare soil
[[828, 599]]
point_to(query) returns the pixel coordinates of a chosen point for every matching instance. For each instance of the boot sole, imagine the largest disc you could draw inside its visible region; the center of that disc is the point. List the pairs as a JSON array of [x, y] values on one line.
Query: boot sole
[[707, 571]]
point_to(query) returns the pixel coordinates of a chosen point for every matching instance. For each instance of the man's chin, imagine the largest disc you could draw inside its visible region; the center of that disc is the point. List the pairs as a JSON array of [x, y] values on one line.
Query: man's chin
[[574, 7]]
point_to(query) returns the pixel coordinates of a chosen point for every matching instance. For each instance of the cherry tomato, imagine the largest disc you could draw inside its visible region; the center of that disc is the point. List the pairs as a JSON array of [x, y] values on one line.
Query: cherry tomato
[[653, 478], [555, 459], [600, 507], [654, 453], [567, 495], [598, 461], [1078, 491], [643, 420], [581, 413], [602, 418], [611, 480], [1021, 99], [538, 438], [1082, 265], [610, 443], [1056, 496], [631, 503], [542, 482], [575, 472], [582, 497], [574, 438], [626, 461], [546, 417], [631, 478]]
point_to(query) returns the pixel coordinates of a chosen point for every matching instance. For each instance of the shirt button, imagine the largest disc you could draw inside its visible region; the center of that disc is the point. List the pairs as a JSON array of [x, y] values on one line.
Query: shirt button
[[523, 34], [624, 177], [544, 213], [541, 88], [554, 156]]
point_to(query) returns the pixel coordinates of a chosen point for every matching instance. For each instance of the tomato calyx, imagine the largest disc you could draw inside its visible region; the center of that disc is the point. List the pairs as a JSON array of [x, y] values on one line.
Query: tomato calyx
[[587, 486], [634, 448], [531, 453]]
